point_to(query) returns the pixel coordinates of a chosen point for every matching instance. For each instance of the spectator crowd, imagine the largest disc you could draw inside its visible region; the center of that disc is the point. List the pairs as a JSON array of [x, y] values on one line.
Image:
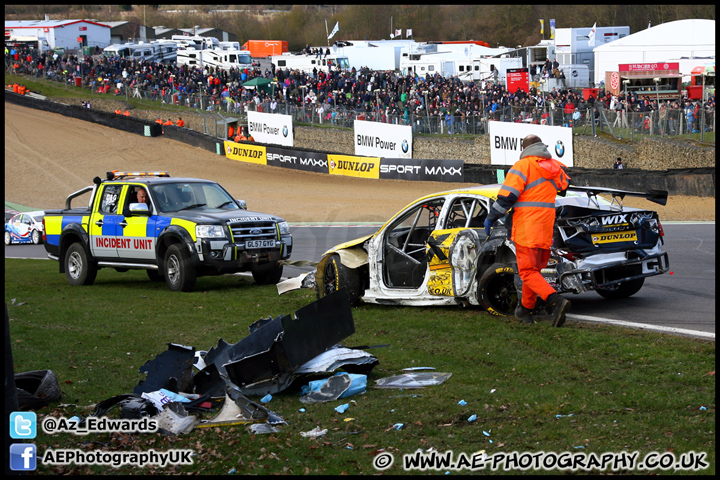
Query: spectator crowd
[[374, 95]]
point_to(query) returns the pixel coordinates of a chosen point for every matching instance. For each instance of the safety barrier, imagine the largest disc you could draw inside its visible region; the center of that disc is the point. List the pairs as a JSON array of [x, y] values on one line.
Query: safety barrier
[[696, 182]]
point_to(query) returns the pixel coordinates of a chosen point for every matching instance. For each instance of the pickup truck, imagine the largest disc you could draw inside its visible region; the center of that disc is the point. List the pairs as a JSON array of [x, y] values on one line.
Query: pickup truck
[[186, 228]]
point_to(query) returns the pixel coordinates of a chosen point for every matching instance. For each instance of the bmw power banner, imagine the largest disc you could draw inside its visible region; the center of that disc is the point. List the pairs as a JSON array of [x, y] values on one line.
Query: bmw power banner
[[506, 142], [271, 128], [377, 139], [297, 160]]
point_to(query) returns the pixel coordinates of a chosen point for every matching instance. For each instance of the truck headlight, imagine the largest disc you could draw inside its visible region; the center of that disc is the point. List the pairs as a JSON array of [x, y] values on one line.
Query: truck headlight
[[209, 231], [283, 228]]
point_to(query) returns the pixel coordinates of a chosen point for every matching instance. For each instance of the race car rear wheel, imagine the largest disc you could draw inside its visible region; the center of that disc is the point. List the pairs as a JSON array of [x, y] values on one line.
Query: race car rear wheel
[[497, 291], [337, 276], [79, 270], [267, 273], [179, 274], [36, 237], [621, 290], [8, 238]]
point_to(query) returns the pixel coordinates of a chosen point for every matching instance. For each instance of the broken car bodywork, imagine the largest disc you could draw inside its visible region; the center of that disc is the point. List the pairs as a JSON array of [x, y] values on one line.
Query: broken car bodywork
[[435, 251]]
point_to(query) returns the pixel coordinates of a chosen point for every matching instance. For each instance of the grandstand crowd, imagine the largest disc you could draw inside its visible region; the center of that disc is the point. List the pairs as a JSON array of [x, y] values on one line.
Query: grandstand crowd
[[379, 94]]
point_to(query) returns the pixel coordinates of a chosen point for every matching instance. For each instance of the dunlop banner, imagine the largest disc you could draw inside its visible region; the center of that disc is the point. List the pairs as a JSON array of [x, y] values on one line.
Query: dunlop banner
[[422, 170], [245, 153], [295, 159], [351, 166]]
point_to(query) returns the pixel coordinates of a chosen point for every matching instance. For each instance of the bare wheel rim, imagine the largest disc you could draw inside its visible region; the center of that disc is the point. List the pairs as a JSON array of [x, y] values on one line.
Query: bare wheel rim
[[503, 296], [330, 278], [173, 269], [74, 265]]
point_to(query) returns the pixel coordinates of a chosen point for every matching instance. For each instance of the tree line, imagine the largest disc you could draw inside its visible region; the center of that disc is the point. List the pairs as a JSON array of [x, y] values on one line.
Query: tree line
[[498, 25]]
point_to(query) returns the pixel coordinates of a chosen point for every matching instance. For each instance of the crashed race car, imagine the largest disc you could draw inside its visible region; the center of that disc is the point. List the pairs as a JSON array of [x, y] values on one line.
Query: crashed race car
[[435, 251]]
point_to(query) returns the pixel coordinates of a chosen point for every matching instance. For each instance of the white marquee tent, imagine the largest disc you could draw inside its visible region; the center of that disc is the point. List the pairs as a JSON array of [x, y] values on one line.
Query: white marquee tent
[[688, 42]]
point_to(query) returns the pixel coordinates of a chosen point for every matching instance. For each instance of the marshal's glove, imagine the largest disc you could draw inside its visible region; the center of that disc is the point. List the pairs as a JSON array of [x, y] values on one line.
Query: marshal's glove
[[488, 226]]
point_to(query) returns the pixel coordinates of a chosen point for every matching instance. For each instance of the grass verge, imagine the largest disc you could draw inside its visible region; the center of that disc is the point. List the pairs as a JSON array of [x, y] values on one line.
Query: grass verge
[[580, 389]]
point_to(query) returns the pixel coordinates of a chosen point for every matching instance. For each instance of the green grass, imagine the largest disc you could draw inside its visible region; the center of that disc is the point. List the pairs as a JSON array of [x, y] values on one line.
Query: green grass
[[627, 390]]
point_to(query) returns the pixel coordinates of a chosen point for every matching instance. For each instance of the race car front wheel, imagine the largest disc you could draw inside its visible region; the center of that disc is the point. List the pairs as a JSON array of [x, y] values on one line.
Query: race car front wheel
[[621, 290], [179, 274], [8, 238], [497, 291], [79, 270], [337, 276]]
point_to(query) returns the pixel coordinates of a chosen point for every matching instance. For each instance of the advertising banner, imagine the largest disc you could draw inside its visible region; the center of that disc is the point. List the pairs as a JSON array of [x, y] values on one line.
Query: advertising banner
[[271, 128], [351, 166], [376, 139], [245, 153], [297, 160], [517, 78], [422, 170], [506, 142]]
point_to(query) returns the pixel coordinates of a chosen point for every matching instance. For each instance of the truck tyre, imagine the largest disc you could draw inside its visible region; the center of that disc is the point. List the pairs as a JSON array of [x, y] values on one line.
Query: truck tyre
[[79, 270], [36, 237], [179, 275], [337, 276], [622, 290], [497, 291], [267, 273]]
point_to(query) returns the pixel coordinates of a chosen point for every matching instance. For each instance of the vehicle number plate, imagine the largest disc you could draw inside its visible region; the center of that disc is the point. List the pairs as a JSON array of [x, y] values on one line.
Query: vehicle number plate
[[613, 237], [260, 244]]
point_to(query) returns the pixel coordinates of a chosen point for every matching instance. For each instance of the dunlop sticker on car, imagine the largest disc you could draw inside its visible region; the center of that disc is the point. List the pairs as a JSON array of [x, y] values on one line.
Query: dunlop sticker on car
[[352, 166], [614, 237]]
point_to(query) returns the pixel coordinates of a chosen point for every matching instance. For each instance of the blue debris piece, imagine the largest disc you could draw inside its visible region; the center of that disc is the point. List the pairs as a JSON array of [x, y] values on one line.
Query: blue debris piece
[[266, 398], [342, 408], [462, 403], [472, 418]]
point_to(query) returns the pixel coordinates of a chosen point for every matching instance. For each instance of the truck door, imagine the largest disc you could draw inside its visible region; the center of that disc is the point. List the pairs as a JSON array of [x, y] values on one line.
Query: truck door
[[136, 232], [104, 222]]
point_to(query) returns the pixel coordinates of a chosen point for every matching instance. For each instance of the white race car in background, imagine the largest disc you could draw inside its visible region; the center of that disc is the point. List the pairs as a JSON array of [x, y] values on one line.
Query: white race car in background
[[26, 227]]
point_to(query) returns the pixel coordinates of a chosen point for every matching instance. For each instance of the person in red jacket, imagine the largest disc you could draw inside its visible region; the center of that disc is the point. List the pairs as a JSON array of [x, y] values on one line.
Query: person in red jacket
[[530, 189]]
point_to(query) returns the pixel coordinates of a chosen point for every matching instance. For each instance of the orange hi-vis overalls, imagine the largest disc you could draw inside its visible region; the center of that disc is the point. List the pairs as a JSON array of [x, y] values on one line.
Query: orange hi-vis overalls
[[530, 188]]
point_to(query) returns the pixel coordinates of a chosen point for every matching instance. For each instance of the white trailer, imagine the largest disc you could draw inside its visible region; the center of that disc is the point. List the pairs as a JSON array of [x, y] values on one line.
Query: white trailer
[[454, 64], [219, 59], [306, 63]]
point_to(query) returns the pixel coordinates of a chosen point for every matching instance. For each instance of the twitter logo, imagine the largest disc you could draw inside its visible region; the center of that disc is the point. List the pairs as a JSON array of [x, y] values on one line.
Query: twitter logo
[[23, 425]]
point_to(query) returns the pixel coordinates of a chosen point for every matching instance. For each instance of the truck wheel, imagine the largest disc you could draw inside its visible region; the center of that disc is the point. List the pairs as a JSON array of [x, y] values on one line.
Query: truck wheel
[[267, 273], [337, 276], [79, 270], [496, 289], [155, 275], [621, 290], [8, 238], [179, 275], [36, 238]]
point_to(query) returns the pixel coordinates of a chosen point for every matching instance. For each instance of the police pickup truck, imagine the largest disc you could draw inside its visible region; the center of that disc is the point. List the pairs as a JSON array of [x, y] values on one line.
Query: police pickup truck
[[186, 228]]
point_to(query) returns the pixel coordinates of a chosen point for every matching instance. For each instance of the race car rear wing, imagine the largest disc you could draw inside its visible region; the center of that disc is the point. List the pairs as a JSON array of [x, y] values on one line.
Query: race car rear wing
[[655, 196]]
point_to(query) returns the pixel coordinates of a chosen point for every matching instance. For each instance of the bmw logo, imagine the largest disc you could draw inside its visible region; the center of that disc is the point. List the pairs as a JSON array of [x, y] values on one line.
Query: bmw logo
[[285, 131], [255, 231], [560, 148], [405, 146]]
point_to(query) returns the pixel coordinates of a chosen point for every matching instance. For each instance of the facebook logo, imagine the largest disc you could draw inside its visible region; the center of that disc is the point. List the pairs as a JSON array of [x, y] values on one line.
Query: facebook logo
[[23, 457]]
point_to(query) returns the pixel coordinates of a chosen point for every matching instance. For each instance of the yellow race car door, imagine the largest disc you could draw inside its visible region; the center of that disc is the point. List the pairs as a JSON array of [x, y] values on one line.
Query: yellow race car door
[[452, 260]]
